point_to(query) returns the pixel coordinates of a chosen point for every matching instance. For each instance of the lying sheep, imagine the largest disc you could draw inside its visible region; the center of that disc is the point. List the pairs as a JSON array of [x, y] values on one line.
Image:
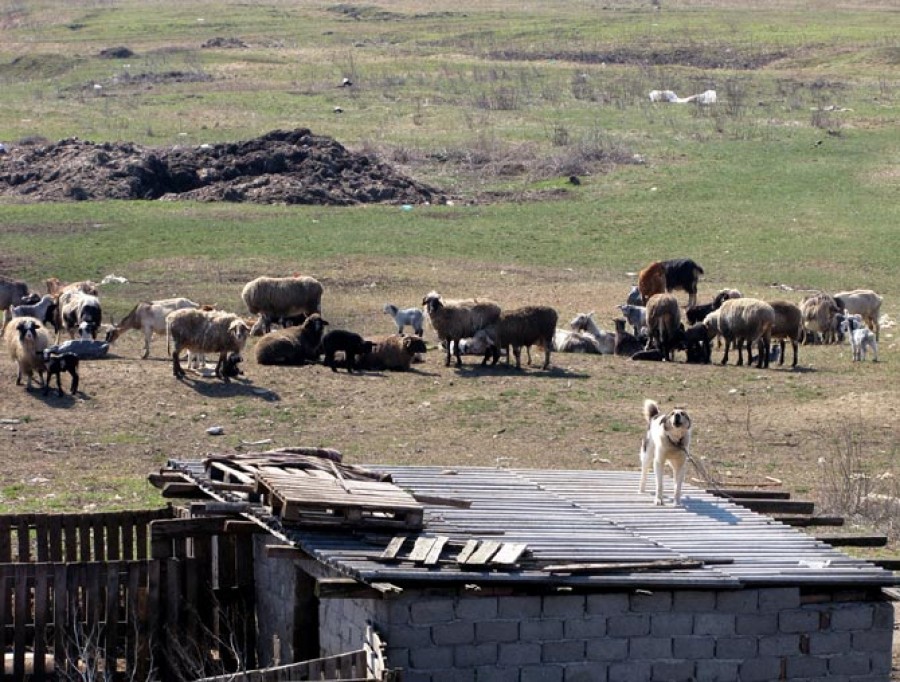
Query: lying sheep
[[570, 341], [626, 344], [819, 314], [275, 297], [205, 331], [352, 345], [663, 323], [584, 322], [635, 315], [394, 353], [413, 317], [26, 338], [457, 320], [44, 310], [149, 317], [743, 321], [787, 326], [863, 302], [294, 345], [524, 327]]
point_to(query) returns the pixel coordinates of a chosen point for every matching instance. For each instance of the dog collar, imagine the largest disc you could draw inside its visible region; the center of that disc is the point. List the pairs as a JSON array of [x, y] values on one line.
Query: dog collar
[[677, 443]]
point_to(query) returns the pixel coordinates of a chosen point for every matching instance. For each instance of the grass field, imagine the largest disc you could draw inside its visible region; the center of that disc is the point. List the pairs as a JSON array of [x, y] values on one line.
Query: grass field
[[788, 184]]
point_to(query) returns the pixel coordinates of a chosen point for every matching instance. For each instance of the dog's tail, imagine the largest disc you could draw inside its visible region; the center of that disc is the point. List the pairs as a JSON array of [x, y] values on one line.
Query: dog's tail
[[651, 409]]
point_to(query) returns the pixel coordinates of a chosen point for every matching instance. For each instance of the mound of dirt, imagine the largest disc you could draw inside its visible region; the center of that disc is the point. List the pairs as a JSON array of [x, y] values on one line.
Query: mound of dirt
[[283, 166]]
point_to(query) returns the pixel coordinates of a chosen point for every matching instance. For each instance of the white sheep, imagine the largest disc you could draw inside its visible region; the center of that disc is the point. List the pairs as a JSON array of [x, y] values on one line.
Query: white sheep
[[457, 320], [413, 317], [205, 331], [150, 318], [743, 320], [275, 297], [584, 322], [570, 341], [863, 302], [26, 338], [861, 338]]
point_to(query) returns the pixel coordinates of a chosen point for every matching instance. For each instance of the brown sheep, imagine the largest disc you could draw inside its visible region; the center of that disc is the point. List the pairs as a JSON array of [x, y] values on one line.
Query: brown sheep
[[652, 281], [743, 321], [819, 313], [663, 322], [294, 345], [394, 352], [788, 325], [457, 320], [524, 327]]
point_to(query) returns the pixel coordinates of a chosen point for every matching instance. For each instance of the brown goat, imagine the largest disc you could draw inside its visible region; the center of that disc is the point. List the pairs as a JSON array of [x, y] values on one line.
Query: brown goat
[[652, 280]]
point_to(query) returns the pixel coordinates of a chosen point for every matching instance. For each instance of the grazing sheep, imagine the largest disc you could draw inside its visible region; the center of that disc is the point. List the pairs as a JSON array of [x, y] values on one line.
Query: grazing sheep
[[625, 344], [635, 315], [292, 346], [26, 338], [81, 311], [56, 364], [863, 302], [684, 274], [524, 327], [568, 341], [652, 281], [205, 331], [394, 353], [584, 322], [663, 322], [457, 320], [861, 338], [820, 316], [352, 345], [743, 320], [275, 297], [413, 317], [788, 325], [44, 310], [149, 317], [12, 291]]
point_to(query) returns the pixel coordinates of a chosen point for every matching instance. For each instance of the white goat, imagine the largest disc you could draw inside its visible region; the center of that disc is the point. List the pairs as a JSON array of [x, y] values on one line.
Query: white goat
[[635, 315], [584, 322], [863, 302], [861, 338], [413, 317], [149, 317]]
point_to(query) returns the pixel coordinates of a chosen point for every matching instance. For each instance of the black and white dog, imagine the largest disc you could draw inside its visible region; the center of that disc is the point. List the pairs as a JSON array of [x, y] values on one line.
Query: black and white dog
[[56, 364], [668, 439]]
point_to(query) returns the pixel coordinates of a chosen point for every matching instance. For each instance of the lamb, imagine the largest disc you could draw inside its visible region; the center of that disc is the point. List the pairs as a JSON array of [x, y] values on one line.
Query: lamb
[[863, 302], [819, 313], [652, 281], [696, 342], [584, 322], [684, 274], [526, 326], [395, 352], [26, 338], [352, 345], [861, 338], [625, 344], [56, 364], [81, 311], [44, 310], [274, 297], [12, 291], [456, 320], [743, 320], [635, 315], [292, 346], [205, 331], [788, 325], [413, 317], [149, 317], [663, 322]]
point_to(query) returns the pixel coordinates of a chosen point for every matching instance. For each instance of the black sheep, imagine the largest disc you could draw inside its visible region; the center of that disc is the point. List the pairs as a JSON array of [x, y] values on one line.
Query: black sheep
[[56, 365], [350, 343]]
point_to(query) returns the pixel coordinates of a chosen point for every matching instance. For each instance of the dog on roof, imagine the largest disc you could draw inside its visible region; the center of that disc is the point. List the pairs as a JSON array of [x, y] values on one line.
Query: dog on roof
[[667, 439]]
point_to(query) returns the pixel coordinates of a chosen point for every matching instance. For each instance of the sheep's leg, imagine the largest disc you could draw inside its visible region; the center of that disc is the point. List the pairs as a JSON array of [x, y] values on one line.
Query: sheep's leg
[[727, 348], [450, 343], [177, 370], [457, 352], [547, 350], [517, 351], [220, 365], [148, 334]]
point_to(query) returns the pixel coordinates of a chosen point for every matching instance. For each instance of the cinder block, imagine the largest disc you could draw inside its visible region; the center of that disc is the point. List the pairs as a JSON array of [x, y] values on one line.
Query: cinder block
[[471, 656], [542, 673], [629, 672], [852, 617], [495, 674], [671, 624], [693, 648], [585, 672], [872, 640], [431, 658], [715, 624], [759, 670], [563, 606], [453, 675], [416, 676], [562, 652], [519, 607], [882, 663], [410, 636], [398, 610], [810, 667], [654, 602], [672, 671], [452, 634], [628, 625], [477, 608], [430, 611], [584, 628], [642, 648], [850, 664], [829, 643], [756, 624], [716, 671], [497, 631], [519, 653], [779, 645], [798, 620], [541, 630], [398, 656], [778, 599], [612, 604], [693, 601], [736, 647], [607, 649], [883, 615], [738, 601]]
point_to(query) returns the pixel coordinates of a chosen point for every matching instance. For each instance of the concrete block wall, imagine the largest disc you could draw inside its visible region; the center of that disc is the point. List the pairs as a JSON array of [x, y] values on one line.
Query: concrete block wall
[[752, 634]]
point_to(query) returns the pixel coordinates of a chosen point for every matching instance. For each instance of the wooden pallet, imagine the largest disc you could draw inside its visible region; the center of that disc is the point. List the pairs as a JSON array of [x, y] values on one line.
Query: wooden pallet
[[428, 551]]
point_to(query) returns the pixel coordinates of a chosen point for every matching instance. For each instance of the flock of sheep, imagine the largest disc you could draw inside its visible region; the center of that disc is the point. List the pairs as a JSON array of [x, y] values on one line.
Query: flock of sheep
[[467, 326]]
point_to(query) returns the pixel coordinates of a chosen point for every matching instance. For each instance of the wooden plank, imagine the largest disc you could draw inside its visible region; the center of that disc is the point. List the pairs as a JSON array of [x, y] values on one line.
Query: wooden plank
[[888, 564], [434, 552], [42, 538], [467, 551], [768, 506], [6, 578], [5, 540], [187, 527], [627, 567], [483, 554], [421, 548], [21, 621], [42, 582], [509, 553], [808, 521], [55, 537], [60, 614], [23, 540], [97, 530], [394, 546], [749, 494], [127, 530], [110, 631], [344, 588], [439, 501], [113, 546], [853, 540]]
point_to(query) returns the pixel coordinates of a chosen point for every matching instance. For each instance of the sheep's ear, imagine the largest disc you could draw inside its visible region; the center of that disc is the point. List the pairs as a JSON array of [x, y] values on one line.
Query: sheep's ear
[[590, 314]]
